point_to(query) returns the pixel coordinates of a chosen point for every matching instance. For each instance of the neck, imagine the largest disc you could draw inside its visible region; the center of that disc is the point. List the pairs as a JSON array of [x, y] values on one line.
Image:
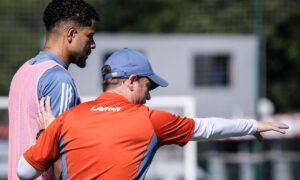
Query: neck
[[120, 92], [56, 46]]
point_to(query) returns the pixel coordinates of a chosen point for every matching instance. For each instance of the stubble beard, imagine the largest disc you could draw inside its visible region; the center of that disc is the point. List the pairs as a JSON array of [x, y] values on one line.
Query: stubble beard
[[81, 63]]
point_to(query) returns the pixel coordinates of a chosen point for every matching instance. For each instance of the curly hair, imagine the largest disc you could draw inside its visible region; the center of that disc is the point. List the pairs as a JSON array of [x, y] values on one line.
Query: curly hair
[[76, 11]]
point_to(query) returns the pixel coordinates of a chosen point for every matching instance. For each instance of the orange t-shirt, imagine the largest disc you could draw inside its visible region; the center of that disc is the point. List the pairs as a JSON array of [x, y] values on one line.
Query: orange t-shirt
[[108, 138]]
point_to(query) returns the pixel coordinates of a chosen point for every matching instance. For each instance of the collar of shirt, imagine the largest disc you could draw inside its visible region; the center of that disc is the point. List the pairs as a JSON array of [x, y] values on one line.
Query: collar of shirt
[[111, 96], [45, 56]]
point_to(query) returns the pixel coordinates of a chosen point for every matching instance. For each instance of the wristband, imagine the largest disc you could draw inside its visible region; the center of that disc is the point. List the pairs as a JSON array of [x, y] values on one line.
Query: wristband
[[39, 133]]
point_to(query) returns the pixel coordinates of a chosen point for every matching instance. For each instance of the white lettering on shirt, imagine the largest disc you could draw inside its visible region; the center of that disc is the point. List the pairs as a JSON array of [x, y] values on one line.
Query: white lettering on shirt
[[115, 109]]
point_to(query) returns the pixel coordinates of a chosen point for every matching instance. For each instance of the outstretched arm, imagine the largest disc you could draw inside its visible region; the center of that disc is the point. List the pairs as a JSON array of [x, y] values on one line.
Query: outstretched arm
[[216, 128]]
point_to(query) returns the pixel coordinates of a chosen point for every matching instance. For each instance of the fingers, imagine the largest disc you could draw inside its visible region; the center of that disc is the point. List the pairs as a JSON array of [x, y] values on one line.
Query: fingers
[[45, 115], [39, 120], [49, 111], [39, 113], [282, 126], [42, 108], [40, 117], [258, 136], [279, 127], [279, 130], [48, 106], [264, 126]]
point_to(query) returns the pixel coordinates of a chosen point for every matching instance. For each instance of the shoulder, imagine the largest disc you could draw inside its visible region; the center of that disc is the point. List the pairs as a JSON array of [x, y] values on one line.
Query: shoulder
[[158, 114], [56, 74], [161, 119], [53, 80]]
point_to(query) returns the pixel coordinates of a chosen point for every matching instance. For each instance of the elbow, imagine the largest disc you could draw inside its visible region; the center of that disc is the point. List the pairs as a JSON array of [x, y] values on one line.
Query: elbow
[[22, 175], [25, 171], [20, 170]]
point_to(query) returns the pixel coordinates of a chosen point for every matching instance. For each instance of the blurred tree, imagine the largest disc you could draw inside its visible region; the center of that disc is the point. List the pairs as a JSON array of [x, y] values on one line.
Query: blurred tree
[[20, 36], [283, 65], [22, 30], [233, 17], [140, 16]]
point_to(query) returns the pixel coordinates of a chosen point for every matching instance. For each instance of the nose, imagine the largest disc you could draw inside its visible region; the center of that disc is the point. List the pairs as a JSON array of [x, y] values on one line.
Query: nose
[[92, 44], [148, 97]]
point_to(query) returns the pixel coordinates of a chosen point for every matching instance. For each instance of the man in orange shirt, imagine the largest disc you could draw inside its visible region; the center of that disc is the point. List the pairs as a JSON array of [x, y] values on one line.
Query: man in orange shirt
[[116, 136]]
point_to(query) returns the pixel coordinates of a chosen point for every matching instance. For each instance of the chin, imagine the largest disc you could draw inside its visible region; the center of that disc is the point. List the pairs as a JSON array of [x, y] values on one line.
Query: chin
[[140, 103], [81, 63]]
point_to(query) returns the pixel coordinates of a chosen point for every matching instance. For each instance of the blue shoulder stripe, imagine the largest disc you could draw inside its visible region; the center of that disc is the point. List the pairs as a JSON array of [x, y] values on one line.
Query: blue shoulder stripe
[[149, 154], [63, 158]]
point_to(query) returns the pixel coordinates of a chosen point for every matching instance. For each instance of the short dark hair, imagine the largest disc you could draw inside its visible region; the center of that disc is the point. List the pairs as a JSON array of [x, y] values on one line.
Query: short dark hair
[[77, 11], [115, 82], [110, 82]]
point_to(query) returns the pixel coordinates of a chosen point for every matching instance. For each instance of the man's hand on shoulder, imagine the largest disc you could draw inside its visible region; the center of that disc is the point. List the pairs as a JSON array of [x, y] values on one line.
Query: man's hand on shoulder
[[45, 115]]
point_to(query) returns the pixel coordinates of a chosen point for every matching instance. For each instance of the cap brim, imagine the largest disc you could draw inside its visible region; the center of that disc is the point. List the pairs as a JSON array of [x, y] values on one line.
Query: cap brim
[[158, 81]]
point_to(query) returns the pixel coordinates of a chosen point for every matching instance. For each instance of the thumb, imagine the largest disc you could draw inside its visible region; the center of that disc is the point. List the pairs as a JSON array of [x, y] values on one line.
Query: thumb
[[258, 136]]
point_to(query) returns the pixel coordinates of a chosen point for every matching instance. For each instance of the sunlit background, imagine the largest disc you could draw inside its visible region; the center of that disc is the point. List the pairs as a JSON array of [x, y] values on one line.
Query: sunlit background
[[237, 58]]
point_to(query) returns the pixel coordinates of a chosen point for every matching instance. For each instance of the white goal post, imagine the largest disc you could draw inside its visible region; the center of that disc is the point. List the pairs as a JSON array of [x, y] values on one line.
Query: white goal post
[[188, 104], [3, 102]]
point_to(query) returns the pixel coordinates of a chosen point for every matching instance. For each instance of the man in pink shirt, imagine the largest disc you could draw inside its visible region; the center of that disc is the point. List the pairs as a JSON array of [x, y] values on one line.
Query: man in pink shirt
[[70, 26]]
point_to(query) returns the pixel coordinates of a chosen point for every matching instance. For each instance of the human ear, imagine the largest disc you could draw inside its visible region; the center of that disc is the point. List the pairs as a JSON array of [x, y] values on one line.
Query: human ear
[[71, 34], [131, 81]]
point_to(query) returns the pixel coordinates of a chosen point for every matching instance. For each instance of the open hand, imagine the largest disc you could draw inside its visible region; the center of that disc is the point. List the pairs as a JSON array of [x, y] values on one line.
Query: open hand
[[263, 126], [45, 115]]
